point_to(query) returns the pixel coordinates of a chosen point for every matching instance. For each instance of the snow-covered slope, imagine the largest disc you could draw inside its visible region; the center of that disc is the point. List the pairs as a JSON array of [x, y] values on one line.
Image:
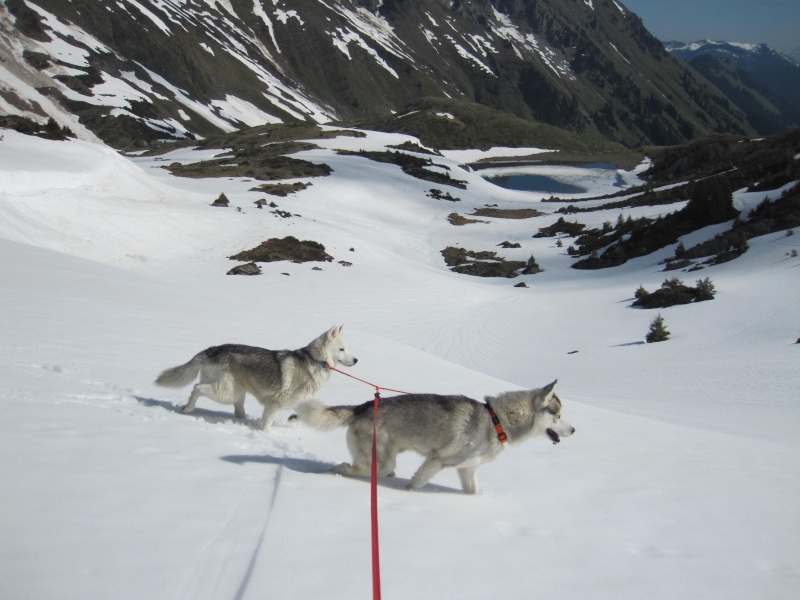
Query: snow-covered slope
[[679, 482]]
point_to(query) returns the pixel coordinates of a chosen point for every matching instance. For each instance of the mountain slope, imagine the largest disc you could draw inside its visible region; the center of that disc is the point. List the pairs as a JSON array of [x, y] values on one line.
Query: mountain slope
[[174, 69], [763, 83]]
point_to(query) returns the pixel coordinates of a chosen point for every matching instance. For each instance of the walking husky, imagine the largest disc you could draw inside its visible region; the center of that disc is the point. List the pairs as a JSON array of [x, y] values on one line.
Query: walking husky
[[279, 379], [449, 431]]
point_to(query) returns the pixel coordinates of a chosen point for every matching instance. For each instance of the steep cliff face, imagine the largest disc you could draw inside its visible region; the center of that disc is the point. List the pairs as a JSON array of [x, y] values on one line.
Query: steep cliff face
[[135, 70]]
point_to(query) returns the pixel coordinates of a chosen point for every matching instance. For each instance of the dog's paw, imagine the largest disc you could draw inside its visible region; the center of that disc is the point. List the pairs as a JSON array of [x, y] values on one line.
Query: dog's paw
[[342, 469], [185, 409]]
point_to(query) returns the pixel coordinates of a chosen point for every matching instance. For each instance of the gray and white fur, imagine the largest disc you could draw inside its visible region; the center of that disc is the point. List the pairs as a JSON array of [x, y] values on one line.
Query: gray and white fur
[[448, 431], [278, 379]]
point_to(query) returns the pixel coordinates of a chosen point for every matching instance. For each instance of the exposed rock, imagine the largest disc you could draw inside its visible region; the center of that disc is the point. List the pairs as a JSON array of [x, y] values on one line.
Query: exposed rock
[[250, 268]]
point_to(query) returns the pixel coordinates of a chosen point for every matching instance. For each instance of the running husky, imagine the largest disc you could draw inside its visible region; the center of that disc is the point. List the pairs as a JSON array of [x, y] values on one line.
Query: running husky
[[449, 431], [279, 379]]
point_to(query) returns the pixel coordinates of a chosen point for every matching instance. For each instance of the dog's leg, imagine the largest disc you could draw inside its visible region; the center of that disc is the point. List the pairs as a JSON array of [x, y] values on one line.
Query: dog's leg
[[425, 473], [201, 389], [238, 408], [271, 409], [360, 449], [469, 479], [345, 469], [387, 461]]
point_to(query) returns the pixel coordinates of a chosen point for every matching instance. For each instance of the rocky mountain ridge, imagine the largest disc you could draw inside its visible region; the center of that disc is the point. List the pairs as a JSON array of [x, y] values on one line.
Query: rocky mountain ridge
[[132, 71], [764, 83]]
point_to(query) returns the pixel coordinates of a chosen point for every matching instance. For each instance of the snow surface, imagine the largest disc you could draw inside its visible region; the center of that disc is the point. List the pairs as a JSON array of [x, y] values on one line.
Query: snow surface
[[680, 482]]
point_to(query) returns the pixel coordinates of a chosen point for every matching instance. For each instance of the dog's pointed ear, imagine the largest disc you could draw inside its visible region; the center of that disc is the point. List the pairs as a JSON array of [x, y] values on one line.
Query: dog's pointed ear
[[335, 330], [548, 392]]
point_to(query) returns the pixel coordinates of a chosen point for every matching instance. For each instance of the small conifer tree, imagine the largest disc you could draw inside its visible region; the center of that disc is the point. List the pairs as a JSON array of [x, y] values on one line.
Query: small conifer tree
[[658, 331], [222, 200], [640, 292], [532, 267], [705, 289]]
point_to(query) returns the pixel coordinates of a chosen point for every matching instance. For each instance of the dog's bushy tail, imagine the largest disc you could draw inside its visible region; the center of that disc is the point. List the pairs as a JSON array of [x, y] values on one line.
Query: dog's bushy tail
[[182, 375], [324, 417]]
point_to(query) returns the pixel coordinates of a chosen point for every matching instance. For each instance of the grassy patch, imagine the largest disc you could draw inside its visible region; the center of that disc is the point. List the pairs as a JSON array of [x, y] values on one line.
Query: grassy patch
[[485, 263], [265, 163], [280, 189], [259, 152], [457, 219], [458, 124], [258, 137], [288, 248], [507, 213]]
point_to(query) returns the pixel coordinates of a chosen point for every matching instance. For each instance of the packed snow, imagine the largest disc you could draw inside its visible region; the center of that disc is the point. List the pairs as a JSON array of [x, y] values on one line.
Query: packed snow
[[681, 480]]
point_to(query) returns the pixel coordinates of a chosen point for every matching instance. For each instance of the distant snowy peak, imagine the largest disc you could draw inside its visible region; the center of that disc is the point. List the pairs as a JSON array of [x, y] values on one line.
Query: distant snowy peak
[[690, 50], [764, 83]]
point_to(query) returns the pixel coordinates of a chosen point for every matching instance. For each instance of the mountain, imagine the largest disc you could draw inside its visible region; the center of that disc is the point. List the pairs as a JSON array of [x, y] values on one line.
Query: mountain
[[131, 71], [760, 81]]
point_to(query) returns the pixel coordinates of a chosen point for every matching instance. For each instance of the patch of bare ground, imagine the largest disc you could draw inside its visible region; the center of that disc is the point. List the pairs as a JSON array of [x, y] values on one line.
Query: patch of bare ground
[[288, 248], [458, 220], [507, 213]]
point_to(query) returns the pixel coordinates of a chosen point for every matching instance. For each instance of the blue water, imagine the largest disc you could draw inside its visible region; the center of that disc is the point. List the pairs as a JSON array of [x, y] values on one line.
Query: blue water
[[543, 183], [535, 183]]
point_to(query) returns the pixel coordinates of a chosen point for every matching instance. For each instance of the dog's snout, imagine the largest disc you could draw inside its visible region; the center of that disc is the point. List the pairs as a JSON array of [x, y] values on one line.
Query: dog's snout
[[355, 360]]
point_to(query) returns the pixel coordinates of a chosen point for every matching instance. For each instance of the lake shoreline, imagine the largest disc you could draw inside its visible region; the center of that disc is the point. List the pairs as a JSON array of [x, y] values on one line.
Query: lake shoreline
[[627, 160]]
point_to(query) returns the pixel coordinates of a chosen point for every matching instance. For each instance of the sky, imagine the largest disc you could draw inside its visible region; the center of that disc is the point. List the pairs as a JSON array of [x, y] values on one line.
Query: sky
[[775, 22]]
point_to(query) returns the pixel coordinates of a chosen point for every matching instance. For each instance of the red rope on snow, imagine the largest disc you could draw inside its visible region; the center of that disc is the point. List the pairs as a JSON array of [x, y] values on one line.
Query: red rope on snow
[[376, 561]]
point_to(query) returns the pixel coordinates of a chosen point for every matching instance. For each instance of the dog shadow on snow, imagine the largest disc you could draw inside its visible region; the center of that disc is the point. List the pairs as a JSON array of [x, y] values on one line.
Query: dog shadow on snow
[[316, 467], [300, 465], [209, 416]]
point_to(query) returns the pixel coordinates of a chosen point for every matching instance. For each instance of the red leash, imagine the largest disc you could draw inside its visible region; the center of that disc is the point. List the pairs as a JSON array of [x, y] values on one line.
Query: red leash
[[377, 389], [376, 561]]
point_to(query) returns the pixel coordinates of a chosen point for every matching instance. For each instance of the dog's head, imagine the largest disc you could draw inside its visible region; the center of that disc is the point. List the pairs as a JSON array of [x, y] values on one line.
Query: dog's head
[[333, 346], [548, 414]]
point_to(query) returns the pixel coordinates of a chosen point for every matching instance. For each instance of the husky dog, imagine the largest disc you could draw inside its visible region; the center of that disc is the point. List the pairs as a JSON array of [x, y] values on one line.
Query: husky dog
[[278, 379], [449, 431]]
